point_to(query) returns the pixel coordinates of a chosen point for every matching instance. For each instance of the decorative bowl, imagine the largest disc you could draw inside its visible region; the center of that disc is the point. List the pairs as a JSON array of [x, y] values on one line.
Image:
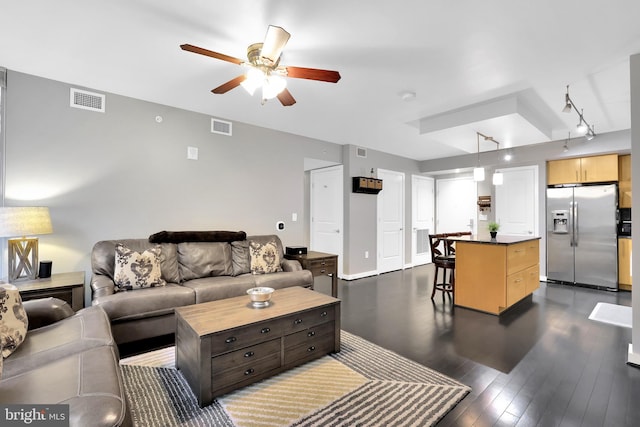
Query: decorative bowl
[[260, 296]]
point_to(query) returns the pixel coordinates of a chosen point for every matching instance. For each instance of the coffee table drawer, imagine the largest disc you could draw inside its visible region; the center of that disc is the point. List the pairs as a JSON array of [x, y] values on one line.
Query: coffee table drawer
[[319, 346], [309, 318], [242, 373], [244, 356], [309, 336], [234, 339]]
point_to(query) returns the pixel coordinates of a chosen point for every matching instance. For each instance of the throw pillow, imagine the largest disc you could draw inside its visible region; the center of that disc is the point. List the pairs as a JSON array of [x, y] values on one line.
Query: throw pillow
[[264, 257], [134, 270], [13, 319]]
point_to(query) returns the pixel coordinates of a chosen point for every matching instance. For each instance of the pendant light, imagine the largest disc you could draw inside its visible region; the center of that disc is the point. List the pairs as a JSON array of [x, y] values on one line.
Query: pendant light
[[498, 178], [478, 171]]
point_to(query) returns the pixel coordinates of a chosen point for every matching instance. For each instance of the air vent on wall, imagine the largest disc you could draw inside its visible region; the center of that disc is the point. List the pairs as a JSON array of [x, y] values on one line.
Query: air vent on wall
[[361, 152], [221, 126], [87, 100]]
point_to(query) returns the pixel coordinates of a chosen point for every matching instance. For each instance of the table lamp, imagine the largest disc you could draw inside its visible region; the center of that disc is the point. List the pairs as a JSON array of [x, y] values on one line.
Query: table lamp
[[17, 223]]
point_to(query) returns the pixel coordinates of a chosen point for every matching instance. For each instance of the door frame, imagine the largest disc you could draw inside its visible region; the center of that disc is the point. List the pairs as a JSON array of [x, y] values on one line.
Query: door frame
[[414, 205]]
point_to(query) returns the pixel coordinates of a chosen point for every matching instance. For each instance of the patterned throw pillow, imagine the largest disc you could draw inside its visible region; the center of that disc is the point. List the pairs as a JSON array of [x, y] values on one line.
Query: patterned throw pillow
[[134, 270], [13, 319], [264, 257]]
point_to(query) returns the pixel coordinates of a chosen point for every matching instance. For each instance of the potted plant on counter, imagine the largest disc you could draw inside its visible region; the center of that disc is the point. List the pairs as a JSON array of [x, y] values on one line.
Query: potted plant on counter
[[493, 229]]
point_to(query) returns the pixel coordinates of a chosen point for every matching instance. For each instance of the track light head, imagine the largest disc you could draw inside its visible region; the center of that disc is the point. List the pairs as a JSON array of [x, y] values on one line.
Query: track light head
[[567, 102]]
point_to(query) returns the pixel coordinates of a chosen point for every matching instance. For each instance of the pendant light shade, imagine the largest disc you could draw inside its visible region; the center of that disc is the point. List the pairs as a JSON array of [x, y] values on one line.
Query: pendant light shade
[[498, 178], [478, 174]]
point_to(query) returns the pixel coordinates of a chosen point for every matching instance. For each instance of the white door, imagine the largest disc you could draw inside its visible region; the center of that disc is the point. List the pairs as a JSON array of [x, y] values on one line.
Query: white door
[[391, 221], [327, 212], [456, 205], [517, 201], [422, 201]]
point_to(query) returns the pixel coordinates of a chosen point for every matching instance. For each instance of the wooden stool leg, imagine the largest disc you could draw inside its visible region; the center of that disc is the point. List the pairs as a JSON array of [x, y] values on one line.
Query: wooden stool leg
[[435, 283]]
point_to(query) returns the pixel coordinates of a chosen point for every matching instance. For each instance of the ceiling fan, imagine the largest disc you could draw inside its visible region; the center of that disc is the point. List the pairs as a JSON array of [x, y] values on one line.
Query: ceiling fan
[[264, 69]]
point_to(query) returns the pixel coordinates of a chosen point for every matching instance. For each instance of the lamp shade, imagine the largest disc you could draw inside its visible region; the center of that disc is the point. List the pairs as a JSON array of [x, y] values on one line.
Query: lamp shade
[[24, 221], [478, 174]]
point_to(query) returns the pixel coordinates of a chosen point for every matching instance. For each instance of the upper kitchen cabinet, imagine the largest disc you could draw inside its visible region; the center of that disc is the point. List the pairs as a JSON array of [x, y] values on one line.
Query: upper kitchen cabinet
[[583, 170], [624, 181]]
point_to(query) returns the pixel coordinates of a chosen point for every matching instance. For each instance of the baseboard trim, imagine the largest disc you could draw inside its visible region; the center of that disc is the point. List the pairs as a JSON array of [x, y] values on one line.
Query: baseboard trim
[[360, 275]]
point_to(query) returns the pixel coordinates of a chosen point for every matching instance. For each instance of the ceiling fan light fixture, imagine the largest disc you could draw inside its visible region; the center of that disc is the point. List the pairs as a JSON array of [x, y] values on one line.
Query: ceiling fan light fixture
[[254, 80], [272, 86]]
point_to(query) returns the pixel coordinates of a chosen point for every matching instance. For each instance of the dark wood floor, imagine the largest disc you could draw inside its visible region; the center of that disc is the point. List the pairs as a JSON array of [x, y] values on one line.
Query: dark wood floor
[[541, 364]]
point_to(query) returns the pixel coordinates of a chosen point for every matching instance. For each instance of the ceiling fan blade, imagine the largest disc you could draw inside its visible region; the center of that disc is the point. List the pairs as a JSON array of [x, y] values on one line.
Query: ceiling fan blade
[[313, 74], [231, 84], [274, 42], [285, 98], [212, 54]]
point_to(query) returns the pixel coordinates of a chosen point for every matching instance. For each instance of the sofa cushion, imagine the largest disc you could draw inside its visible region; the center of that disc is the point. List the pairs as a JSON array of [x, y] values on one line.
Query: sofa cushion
[[88, 328], [146, 302], [13, 319], [104, 252], [204, 259], [90, 382], [216, 288], [240, 257], [135, 270], [285, 279], [264, 257]]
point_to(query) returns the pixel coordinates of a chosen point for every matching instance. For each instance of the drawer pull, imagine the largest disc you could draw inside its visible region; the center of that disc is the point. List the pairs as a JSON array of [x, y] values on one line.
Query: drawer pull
[[324, 314], [518, 280], [265, 330], [323, 271], [310, 349], [249, 371], [323, 263], [311, 334], [297, 321], [249, 354], [230, 340]]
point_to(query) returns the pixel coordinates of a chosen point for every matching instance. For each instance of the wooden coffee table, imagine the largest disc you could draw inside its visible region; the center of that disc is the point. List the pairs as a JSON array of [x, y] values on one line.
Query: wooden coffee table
[[227, 344]]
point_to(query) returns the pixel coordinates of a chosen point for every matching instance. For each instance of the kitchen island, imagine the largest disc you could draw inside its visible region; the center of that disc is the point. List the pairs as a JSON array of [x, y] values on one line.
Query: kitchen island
[[494, 274]]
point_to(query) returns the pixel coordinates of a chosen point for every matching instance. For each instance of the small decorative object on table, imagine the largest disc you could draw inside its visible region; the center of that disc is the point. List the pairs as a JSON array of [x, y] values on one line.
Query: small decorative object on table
[[493, 229], [260, 297]]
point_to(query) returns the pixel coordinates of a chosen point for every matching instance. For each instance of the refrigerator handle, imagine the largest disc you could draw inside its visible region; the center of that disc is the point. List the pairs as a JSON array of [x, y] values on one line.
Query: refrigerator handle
[[576, 230]]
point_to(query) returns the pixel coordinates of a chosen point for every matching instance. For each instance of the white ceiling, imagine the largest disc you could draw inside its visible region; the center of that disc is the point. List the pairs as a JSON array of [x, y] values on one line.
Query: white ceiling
[[496, 67]]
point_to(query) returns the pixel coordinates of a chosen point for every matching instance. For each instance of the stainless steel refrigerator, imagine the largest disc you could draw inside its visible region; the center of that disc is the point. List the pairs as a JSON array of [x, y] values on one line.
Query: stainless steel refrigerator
[[581, 235]]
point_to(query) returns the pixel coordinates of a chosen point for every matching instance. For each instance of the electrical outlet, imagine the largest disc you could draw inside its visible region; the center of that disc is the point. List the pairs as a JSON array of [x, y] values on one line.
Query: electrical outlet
[[294, 217], [366, 254]]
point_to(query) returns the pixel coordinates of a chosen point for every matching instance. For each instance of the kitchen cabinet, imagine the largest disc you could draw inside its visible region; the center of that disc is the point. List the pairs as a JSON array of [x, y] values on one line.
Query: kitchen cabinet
[[583, 170], [624, 263], [624, 181], [492, 275]]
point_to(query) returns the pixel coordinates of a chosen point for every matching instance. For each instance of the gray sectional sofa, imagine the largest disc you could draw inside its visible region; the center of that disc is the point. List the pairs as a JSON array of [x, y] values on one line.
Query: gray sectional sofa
[[67, 358], [196, 266]]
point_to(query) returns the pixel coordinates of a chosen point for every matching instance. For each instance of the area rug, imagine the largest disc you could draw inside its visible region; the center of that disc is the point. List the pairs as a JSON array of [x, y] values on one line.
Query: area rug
[[363, 385], [613, 314]]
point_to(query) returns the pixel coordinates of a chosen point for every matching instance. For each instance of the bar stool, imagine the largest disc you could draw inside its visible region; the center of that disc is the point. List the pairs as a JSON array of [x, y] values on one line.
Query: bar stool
[[442, 259]]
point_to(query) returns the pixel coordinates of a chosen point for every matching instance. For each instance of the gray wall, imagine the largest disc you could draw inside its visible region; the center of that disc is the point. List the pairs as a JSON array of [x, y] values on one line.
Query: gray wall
[[361, 209], [121, 174]]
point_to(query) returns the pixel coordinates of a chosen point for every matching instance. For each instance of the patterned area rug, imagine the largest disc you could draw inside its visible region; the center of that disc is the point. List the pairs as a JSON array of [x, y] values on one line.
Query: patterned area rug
[[363, 385]]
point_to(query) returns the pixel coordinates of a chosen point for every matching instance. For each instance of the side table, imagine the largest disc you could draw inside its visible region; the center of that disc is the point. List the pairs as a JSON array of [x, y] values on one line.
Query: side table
[[68, 287], [320, 264]]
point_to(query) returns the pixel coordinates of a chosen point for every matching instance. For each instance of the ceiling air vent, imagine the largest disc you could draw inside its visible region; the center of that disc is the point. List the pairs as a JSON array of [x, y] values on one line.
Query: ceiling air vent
[[221, 126], [361, 152], [87, 100]]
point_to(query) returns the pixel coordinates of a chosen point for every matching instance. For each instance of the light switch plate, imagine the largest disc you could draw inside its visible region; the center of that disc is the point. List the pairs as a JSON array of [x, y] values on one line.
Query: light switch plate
[[192, 153]]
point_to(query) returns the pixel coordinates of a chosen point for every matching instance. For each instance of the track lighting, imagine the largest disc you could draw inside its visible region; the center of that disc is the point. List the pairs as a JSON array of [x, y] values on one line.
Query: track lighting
[[583, 127], [565, 147]]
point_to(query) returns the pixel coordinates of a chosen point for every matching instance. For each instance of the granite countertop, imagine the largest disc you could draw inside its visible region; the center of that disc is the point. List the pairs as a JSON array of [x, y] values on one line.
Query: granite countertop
[[501, 239]]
